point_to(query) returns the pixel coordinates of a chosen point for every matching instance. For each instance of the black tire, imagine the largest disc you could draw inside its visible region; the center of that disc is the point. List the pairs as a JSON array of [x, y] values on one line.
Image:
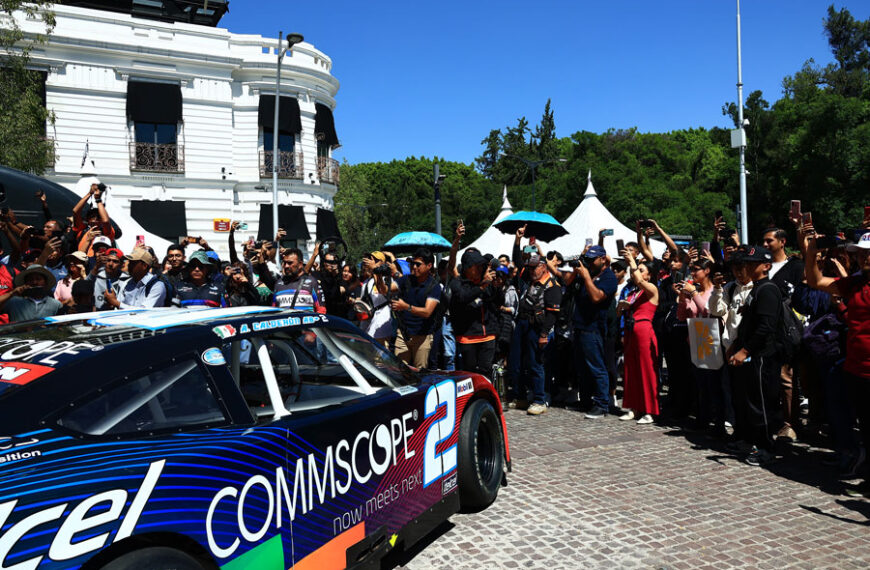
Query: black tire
[[481, 461], [154, 558]]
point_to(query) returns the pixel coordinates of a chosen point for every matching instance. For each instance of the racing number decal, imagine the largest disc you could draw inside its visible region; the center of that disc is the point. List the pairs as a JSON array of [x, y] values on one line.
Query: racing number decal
[[437, 465]]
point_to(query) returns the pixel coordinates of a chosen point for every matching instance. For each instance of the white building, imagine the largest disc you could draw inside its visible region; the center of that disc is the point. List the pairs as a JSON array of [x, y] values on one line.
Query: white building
[[177, 117]]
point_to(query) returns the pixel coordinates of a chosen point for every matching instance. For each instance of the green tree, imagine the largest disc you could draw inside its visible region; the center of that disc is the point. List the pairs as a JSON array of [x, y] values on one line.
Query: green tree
[[23, 144]]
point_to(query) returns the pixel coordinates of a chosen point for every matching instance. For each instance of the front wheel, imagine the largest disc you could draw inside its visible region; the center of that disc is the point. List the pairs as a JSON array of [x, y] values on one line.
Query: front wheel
[[154, 558], [481, 464]]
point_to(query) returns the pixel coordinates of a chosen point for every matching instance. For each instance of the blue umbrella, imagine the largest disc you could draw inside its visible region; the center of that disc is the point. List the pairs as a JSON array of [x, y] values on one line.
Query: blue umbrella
[[409, 241], [543, 226]]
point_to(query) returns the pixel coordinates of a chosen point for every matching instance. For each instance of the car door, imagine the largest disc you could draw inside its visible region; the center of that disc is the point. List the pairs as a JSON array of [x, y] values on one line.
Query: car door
[[366, 466]]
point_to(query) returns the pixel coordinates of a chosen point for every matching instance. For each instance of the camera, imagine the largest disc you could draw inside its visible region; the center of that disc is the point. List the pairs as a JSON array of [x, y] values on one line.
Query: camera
[[646, 224], [383, 270], [575, 261], [607, 232]]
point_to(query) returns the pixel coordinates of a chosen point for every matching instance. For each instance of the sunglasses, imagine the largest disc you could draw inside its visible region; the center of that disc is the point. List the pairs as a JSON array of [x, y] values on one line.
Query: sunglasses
[[415, 263]]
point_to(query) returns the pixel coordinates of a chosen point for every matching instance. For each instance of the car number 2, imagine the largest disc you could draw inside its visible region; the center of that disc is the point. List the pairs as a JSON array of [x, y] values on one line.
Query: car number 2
[[437, 465]]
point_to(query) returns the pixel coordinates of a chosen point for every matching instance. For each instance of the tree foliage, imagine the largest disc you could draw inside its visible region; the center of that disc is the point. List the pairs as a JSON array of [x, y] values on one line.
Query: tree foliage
[[23, 116], [813, 145]]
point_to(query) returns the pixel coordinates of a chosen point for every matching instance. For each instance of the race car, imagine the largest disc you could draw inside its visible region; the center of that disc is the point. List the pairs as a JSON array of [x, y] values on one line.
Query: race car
[[246, 437]]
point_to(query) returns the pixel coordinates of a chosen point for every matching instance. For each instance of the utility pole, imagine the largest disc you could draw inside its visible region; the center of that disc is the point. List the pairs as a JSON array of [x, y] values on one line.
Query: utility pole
[[436, 184], [744, 225]]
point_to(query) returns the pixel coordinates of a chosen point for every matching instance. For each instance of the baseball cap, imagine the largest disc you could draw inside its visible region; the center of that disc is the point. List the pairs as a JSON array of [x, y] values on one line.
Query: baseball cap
[[379, 256], [102, 240], [31, 255], [78, 256], [140, 254], [595, 252], [116, 252], [200, 256], [472, 257], [534, 260], [215, 258], [756, 253], [502, 269], [863, 243]]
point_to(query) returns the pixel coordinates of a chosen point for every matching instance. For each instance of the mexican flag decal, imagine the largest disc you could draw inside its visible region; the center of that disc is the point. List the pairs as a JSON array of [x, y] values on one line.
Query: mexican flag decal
[[225, 331]]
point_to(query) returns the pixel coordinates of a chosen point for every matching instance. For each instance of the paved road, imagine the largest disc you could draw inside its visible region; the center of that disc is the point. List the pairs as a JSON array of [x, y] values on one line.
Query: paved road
[[611, 494]]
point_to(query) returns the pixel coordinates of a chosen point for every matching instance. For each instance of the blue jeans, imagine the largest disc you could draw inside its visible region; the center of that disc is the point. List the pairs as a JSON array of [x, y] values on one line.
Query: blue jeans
[[526, 354], [589, 358], [449, 345]]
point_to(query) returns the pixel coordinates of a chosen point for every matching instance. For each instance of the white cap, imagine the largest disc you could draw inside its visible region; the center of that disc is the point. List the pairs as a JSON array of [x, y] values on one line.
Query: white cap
[[863, 243]]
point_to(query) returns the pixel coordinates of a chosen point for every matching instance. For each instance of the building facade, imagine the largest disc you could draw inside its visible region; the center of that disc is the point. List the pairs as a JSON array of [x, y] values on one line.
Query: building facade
[[178, 117]]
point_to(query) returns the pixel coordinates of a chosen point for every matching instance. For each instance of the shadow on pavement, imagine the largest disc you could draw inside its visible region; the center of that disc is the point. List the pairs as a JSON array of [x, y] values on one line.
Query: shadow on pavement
[[858, 506], [402, 556]]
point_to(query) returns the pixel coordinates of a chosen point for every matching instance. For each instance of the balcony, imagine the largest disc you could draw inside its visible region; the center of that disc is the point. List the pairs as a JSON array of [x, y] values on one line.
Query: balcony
[[149, 157], [327, 170], [289, 164]]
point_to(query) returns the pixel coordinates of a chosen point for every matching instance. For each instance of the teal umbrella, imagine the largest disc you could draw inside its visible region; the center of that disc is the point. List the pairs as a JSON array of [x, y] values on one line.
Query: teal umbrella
[[542, 226], [409, 241]]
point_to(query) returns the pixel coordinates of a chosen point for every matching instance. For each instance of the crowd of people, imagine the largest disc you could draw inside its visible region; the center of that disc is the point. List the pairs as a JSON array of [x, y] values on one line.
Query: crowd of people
[[791, 349]]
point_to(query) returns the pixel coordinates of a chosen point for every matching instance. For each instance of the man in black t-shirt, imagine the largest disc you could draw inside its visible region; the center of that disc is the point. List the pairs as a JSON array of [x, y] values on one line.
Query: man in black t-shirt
[[755, 358], [418, 297], [329, 278]]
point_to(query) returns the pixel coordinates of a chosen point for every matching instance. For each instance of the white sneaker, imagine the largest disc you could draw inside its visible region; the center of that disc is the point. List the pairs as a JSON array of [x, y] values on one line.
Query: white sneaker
[[646, 419], [629, 415]]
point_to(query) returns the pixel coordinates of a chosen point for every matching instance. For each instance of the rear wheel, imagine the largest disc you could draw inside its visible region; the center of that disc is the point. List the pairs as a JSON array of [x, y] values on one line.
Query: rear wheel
[[154, 558], [481, 463]]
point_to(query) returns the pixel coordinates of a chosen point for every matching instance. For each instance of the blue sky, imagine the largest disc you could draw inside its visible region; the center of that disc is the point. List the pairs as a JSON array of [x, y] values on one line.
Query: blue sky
[[432, 78]]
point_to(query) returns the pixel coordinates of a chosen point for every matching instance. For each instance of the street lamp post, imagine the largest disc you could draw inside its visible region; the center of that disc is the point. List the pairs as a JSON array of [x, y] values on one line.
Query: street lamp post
[[533, 166], [292, 39], [744, 227]]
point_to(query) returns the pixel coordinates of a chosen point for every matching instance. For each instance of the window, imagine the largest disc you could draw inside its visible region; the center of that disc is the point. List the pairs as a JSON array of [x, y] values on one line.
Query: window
[[286, 141], [166, 398], [156, 133]]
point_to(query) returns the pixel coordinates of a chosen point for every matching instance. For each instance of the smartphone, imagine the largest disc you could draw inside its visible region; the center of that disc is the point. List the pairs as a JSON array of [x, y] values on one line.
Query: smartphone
[[588, 241], [705, 245], [532, 241], [866, 212], [646, 224], [620, 245], [807, 218], [728, 232], [607, 233], [140, 240], [530, 249], [719, 215], [826, 242], [795, 209]]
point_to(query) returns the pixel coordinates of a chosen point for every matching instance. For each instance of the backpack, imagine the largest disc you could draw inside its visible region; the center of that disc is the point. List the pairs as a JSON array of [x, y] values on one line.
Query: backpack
[[789, 331], [170, 290], [825, 337]]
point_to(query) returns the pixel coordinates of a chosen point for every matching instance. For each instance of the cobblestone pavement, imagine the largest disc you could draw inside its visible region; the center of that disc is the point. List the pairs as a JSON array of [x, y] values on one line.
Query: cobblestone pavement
[[610, 494]]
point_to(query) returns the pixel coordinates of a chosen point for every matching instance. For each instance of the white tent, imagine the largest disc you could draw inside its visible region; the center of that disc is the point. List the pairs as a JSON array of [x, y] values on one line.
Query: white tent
[[585, 222], [493, 240]]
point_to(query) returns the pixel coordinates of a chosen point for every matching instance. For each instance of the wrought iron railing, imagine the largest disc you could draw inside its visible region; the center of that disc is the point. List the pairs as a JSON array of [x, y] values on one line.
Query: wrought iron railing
[[151, 157], [327, 170], [289, 164]]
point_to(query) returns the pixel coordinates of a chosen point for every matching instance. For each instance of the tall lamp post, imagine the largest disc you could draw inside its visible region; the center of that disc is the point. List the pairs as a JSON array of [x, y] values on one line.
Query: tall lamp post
[[738, 137], [292, 39], [533, 166]]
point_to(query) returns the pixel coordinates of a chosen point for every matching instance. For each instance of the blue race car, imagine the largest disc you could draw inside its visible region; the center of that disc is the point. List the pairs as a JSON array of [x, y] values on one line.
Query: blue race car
[[247, 437]]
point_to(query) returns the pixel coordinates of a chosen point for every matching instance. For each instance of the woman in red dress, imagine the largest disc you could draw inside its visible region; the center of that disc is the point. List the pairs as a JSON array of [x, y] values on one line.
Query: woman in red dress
[[640, 396]]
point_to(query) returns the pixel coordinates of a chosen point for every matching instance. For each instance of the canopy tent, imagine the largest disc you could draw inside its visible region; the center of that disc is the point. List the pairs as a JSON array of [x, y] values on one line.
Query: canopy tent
[[585, 222], [493, 240]]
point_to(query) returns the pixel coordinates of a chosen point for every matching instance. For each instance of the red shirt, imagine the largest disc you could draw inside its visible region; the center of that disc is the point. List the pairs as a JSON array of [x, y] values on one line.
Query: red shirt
[[856, 294], [7, 282]]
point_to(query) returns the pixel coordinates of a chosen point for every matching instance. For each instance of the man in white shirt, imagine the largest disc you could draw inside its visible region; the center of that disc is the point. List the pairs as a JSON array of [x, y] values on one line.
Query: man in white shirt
[[143, 289]]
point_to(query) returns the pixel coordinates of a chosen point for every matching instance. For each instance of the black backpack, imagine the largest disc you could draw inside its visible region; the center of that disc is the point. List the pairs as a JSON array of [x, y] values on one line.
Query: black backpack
[[170, 290], [790, 330]]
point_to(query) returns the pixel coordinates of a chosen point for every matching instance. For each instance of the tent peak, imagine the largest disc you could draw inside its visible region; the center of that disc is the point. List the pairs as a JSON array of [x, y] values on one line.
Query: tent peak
[[590, 189], [505, 204]]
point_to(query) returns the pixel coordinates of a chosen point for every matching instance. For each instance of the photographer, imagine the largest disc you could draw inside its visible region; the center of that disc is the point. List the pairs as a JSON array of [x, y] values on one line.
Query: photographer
[[96, 218], [106, 274], [30, 298], [594, 285], [473, 314], [536, 314], [418, 297], [372, 307], [329, 278]]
